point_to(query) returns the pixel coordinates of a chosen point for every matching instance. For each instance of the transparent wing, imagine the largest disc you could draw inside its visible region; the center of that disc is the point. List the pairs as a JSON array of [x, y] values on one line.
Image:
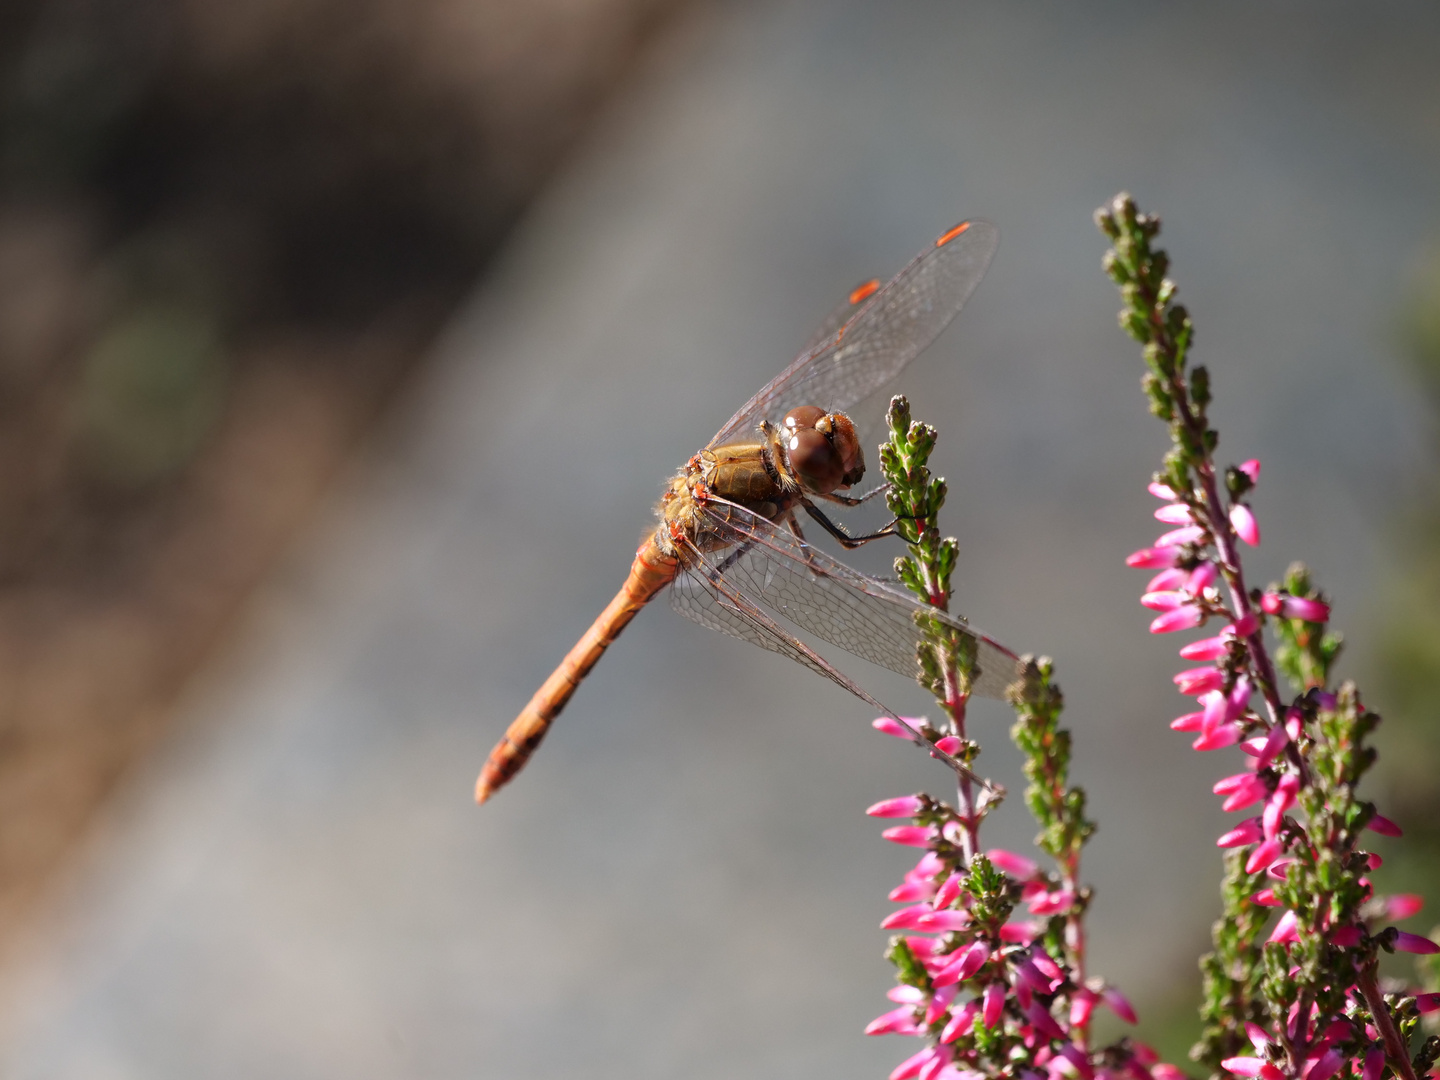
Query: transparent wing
[[842, 314], [885, 333], [702, 593], [873, 619]]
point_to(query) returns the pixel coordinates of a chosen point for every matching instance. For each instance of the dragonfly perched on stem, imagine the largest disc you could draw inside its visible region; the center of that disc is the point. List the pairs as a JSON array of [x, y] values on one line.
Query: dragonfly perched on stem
[[729, 543]]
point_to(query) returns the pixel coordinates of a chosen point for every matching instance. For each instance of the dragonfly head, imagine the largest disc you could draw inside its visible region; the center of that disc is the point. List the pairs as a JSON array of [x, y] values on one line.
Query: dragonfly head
[[823, 450]]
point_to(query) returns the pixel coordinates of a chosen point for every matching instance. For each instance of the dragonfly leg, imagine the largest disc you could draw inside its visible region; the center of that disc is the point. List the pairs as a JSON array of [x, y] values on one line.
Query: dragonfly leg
[[853, 500], [736, 555], [844, 538], [806, 549]]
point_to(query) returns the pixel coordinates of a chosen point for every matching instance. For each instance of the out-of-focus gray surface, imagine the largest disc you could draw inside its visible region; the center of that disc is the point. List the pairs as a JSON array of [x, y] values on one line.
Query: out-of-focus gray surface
[[684, 882]]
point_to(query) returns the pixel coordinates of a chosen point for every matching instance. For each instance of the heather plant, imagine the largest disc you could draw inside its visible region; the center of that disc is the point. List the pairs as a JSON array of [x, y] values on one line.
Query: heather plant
[[990, 949]]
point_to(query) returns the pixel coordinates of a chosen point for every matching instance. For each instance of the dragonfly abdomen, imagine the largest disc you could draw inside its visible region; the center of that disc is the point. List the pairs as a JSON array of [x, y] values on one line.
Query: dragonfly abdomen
[[651, 571]]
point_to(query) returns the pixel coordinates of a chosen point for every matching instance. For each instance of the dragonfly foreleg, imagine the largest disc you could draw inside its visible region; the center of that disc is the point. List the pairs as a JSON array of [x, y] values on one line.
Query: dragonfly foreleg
[[842, 537], [853, 500]]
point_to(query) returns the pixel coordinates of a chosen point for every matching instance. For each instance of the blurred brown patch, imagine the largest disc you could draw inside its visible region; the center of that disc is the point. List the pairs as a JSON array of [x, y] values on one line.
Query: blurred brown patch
[[228, 232]]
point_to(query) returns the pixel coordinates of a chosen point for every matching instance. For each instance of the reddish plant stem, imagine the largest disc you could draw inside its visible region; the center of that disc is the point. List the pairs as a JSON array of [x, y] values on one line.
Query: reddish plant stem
[[1389, 1034]]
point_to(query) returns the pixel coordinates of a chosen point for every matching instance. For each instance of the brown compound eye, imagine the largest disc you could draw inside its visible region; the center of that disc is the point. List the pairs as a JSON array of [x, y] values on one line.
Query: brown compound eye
[[814, 459], [805, 416]]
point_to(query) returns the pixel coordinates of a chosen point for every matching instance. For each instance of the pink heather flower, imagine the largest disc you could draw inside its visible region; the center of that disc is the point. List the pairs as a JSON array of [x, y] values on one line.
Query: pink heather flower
[[1032, 975], [1024, 994], [1375, 861], [929, 865], [1073, 1054], [1202, 577], [889, 726], [940, 1057], [1166, 580], [1191, 721], [909, 835], [1186, 534], [1047, 965], [1240, 695], [1374, 1063], [1155, 558], [938, 921], [1346, 936], [1195, 681], [1081, 1006], [1275, 742], [1252, 1067], [906, 995], [1020, 933], [1266, 898], [1285, 929], [1427, 1003], [1017, 866], [1294, 607], [1251, 469], [907, 918], [1247, 832], [1259, 1037], [1248, 792], [1263, 855], [1175, 514], [1213, 648], [1164, 601], [965, 966], [899, 1021], [1050, 903], [912, 1065], [1244, 524], [949, 744], [1383, 825], [1414, 943], [994, 1002], [1325, 1066], [1215, 710], [1228, 785], [904, 806], [1042, 1021], [1403, 905], [1181, 618], [1161, 491], [1278, 869], [1165, 1071], [1244, 626], [1280, 802], [947, 893], [940, 1004], [960, 1022], [1119, 1004], [912, 889], [1223, 736]]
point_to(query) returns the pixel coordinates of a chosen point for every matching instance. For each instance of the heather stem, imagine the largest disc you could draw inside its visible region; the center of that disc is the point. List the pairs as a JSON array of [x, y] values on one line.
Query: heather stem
[[1395, 1052]]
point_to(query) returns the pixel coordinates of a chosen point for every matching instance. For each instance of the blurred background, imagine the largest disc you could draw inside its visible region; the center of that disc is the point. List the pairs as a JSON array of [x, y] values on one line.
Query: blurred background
[[343, 349]]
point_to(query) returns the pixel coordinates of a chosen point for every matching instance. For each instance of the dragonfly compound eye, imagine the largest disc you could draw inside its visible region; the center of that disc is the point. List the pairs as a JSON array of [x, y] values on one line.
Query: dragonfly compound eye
[[806, 416], [815, 459]]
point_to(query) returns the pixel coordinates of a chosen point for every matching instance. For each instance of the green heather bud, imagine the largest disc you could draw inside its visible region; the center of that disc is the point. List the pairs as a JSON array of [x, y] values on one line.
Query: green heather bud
[[1200, 387], [1135, 324]]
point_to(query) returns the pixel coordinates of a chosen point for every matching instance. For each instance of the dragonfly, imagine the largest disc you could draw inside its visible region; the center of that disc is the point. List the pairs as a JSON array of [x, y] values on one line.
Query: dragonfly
[[729, 544]]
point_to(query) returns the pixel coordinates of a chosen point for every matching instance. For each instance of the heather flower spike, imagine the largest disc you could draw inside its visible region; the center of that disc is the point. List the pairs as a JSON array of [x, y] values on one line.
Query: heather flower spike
[[1292, 988], [994, 995]]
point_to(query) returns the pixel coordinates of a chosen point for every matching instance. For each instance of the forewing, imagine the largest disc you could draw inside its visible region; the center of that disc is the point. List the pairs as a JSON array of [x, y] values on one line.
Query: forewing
[[886, 332], [867, 617]]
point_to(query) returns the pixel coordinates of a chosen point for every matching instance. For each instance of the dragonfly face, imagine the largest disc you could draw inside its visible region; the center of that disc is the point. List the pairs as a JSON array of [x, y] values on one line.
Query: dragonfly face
[[822, 449]]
